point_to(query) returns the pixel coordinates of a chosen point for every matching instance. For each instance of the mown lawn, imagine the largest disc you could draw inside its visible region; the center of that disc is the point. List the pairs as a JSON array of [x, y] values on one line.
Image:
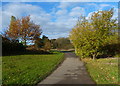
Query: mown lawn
[[28, 69], [103, 71]]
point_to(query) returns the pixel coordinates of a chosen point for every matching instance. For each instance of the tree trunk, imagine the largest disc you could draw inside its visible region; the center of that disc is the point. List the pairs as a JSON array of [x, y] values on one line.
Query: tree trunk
[[25, 43], [76, 50], [25, 37], [94, 56]]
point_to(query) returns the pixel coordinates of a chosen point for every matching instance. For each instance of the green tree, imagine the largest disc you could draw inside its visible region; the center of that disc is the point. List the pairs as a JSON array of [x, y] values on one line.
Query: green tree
[[46, 43], [38, 43], [13, 18], [43, 43], [88, 36], [62, 43]]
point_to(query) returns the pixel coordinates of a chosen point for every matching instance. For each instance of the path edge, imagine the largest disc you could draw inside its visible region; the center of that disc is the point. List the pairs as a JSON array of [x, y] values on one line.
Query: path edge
[[49, 73], [84, 64]]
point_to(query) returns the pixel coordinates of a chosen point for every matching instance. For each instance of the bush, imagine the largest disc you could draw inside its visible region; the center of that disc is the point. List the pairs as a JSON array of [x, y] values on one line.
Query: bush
[[110, 50], [11, 47]]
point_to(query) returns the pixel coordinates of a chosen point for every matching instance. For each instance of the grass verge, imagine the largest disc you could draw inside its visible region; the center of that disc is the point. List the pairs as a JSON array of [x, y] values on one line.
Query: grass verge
[[103, 71], [28, 69]]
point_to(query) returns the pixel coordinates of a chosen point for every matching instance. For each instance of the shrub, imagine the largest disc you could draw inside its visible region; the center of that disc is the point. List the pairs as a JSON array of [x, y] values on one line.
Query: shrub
[[11, 47]]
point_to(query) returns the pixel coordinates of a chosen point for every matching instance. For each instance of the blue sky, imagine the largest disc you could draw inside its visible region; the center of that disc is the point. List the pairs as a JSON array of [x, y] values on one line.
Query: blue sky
[[60, 0], [56, 18]]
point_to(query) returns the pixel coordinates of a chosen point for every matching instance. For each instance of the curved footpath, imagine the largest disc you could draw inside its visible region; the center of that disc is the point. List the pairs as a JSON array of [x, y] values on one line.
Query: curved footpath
[[71, 71]]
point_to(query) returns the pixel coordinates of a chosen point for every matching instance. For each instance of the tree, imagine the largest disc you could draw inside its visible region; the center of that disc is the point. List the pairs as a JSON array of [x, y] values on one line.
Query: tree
[[88, 36], [43, 43], [53, 43], [44, 39], [62, 43], [105, 28], [46, 43], [13, 31], [23, 29], [13, 18], [38, 43]]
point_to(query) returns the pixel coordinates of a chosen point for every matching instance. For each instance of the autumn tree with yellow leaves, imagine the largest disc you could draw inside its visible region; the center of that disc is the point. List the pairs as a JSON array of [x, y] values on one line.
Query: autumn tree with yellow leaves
[[23, 29]]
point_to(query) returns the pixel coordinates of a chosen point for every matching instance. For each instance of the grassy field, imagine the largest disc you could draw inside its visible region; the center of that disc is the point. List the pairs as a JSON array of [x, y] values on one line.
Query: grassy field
[[103, 71], [28, 69]]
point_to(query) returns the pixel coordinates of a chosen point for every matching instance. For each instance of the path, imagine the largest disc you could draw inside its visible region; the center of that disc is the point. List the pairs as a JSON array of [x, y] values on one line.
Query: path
[[71, 71]]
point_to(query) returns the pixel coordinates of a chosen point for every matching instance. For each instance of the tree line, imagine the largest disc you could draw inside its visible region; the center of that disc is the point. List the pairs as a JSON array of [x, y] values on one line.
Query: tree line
[[22, 32], [59, 43]]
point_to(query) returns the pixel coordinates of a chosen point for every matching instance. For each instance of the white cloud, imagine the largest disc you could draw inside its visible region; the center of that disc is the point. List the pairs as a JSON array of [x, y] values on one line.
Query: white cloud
[[115, 14], [64, 5], [101, 6], [104, 5], [61, 12], [65, 20], [13, 8], [89, 15], [38, 15], [77, 11], [90, 0], [60, 26]]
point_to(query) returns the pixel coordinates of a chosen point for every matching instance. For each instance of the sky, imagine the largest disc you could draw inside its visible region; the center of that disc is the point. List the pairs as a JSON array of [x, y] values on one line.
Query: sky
[[55, 18], [60, 0]]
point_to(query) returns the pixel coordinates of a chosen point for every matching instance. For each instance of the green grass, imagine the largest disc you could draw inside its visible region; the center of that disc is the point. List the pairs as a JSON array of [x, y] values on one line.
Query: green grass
[[28, 69], [117, 55], [103, 71]]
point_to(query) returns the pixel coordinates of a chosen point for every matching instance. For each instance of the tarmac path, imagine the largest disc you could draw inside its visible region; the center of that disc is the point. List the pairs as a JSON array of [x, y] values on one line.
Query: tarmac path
[[71, 71]]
